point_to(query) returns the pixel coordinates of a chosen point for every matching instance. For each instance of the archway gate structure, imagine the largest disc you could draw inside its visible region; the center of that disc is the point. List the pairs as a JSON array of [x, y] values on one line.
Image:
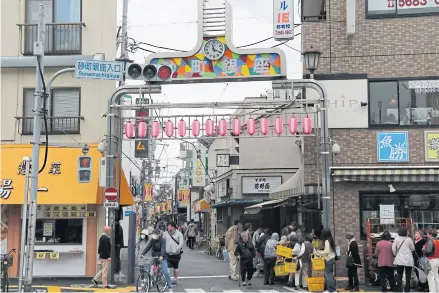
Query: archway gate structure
[[225, 63]]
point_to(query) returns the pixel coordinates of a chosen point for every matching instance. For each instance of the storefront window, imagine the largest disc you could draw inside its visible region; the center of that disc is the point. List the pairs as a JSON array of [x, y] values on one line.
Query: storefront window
[[421, 208], [59, 231]]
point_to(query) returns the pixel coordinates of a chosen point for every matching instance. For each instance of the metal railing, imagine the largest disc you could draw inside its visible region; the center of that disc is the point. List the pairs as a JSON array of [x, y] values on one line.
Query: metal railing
[[61, 38], [55, 125]]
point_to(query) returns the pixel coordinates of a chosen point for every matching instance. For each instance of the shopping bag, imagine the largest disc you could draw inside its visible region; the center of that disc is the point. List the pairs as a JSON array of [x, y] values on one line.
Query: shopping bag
[[225, 255], [422, 275], [424, 264]]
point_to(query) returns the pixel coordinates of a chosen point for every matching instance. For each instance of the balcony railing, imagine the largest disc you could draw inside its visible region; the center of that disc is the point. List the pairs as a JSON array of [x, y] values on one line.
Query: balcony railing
[[55, 125], [60, 39]]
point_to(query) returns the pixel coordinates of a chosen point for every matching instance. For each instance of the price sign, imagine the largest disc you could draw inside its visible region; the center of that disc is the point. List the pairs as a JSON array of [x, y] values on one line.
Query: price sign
[[54, 255], [40, 255]]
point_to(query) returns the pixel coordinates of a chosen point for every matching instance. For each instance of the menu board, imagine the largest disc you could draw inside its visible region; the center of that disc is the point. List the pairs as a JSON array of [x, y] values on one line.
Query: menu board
[[62, 211]]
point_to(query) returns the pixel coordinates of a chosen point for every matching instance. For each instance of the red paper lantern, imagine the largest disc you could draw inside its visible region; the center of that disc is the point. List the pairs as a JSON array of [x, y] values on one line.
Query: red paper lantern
[[196, 128], [169, 128], [236, 126], [278, 125], [182, 128], [129, 129], [141, 129], [306, 125], [251, 126], [209, 127], [293, 125], [263, 125], [155, 129], [222, 127]]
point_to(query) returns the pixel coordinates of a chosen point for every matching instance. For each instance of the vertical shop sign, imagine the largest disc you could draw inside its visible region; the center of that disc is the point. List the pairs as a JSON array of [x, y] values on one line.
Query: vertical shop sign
[[147, 192], [283, 19], [198, 172], [392, 146], [431, 142]]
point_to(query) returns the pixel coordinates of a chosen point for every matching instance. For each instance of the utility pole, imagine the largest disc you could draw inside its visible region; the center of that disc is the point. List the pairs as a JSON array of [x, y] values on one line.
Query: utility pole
[[36, 137], [23, 248]]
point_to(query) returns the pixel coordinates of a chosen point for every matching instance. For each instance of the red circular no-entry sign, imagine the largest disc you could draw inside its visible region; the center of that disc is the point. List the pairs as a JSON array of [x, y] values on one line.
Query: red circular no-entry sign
[[110, 193]]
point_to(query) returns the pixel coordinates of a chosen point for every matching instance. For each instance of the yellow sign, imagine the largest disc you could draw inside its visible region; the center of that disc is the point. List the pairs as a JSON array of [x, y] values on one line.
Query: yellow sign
[[147, 192], [40, 255], [432, 146], [169, 206], [140, 146], [54, 255]]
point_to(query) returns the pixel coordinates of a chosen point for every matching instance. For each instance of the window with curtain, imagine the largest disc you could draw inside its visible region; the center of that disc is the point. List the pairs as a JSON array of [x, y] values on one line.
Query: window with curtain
[[63, 111], [404, 102]]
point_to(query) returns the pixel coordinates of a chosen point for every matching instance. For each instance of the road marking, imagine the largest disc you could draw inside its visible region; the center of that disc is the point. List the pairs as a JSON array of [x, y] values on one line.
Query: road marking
[[194, 290], [232, 291], [289, 289], [203, 277], [268, 291]]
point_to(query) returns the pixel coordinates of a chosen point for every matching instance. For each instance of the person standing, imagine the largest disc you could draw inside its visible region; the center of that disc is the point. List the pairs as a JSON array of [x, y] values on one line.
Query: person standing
[[402, 249], [119, 246], [288, 229], [191, 234], [157, 245], [384, 253], [432, 253], [104, 251], [304, 257], [329, 255], [174, 248], [231, 241], [246, 252], [419, 252], [270, 259], [353, 262]]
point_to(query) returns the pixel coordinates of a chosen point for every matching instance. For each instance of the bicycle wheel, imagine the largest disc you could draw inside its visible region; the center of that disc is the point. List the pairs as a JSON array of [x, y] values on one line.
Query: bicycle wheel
[[143, 283], [160, 280]]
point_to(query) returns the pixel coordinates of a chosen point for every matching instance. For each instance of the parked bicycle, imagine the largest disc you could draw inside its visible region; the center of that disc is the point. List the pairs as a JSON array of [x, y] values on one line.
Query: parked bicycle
[[6, 261], [153, 277]]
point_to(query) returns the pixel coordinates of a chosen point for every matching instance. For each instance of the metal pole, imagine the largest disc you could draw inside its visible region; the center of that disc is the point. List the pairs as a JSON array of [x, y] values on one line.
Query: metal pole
[[23, 247], [39, 95], [176, 199]]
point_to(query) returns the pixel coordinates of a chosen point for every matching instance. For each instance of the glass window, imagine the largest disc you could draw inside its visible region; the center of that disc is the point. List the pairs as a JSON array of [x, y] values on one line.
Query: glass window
[[59, 231], [383, 104], [67, 11]]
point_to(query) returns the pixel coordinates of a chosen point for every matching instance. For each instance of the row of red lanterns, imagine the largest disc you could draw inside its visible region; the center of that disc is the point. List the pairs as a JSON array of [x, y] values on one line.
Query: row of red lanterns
[[293, 127]]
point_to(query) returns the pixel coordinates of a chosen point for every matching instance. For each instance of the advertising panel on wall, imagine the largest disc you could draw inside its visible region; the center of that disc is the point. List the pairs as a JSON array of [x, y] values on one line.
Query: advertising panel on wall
[[431, 142], [392, 146], [401, 7]]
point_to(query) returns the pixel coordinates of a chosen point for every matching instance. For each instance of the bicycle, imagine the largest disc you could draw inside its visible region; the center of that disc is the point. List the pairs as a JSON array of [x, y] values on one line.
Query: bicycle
[[153, 277], [220, 248], [6, 261]]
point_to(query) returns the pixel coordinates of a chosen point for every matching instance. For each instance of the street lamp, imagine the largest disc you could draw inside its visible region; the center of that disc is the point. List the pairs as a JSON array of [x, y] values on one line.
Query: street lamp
[[311, 59]]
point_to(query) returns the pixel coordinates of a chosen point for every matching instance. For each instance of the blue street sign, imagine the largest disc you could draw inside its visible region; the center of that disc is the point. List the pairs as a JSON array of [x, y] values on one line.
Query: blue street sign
[[98, 69], [393, 146], [128, 213]]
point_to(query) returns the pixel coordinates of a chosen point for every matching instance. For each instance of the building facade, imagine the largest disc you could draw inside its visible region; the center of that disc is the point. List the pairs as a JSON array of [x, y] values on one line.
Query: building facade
[[70, 214], [388, 164]]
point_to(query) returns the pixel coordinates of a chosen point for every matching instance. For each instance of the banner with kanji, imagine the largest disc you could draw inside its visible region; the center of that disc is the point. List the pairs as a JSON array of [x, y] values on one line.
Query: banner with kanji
[[157, 209], [186, 195], [147, 192], [163, 207], [169, 206]]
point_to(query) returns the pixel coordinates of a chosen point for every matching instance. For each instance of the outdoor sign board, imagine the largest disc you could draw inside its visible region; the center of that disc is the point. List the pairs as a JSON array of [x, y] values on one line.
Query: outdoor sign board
[[401, 7], [392, 146], [283, 20], [260, 184], [98, 69], [141, 146]]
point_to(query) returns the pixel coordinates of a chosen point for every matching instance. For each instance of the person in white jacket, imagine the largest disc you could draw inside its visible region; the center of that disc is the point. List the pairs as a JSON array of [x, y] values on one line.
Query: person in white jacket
[[304, 258], [174, 248]]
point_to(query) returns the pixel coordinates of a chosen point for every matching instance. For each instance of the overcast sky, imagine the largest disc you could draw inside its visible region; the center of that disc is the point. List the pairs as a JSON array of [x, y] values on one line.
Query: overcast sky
[[173, 24]]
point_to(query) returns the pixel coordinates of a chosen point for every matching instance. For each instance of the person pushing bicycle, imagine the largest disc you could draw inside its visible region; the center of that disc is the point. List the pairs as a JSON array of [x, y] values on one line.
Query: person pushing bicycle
[[157, 245]]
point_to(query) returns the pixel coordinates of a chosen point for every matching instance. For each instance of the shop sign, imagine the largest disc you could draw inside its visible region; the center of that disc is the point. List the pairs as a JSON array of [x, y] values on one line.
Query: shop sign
[[198, 172], [431, 142], [392, 146], [48, 229], [55, 168], [6, 188], [263, 184], [148, 191], [222, 188], [387, 214], [283, 19], [63, 211]]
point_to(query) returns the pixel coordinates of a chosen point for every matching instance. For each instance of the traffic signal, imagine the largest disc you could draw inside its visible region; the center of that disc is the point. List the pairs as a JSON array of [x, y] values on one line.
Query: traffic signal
[[149, 72], [84, 169]]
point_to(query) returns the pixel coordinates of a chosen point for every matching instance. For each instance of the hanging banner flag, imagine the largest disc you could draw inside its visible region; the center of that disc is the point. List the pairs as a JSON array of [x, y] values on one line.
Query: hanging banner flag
[[157, 208], [180, 195], [170, 206], [186, 195], [147, 192], [163, 208]]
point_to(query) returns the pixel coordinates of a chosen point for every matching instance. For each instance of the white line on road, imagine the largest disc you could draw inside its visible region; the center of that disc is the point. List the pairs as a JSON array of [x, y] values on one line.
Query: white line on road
[[203, 277], [195, 290], [289, 289]]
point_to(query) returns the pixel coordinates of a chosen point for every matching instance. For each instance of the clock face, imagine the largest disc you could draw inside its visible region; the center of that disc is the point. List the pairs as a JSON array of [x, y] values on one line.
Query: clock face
[[214, 49]]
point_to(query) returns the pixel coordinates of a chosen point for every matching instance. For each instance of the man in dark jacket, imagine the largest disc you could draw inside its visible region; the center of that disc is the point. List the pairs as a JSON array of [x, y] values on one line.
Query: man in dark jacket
[[119, 246], [246, 252], [158, 247], [260, 246], [104, 251], [352, 263]]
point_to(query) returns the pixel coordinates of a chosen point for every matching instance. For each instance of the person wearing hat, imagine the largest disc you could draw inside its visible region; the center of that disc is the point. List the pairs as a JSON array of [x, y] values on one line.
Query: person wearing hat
[[142, 242], [353, 262], [157, 246]]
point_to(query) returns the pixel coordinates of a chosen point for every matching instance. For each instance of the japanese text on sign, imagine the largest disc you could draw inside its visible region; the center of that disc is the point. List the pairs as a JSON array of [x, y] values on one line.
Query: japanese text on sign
[[283, 19], [6, 188], [377, 7], [99, 69]]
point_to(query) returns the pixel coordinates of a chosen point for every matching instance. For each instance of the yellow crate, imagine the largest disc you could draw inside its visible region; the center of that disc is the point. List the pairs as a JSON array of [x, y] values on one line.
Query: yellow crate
[[284, 251], [290, 267], [279, 270], [316, 284], [318, 263]]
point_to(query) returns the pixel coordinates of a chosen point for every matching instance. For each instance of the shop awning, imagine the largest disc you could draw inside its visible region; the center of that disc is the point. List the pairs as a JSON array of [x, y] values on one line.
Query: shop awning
[[58, 183], [292, 187], [234, 202], [201, 206], [255, 209], [386, 174]]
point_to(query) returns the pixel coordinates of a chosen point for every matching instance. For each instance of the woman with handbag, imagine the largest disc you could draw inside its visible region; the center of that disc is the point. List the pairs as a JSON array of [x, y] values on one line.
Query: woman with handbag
[[403, 248], [353, 261]]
